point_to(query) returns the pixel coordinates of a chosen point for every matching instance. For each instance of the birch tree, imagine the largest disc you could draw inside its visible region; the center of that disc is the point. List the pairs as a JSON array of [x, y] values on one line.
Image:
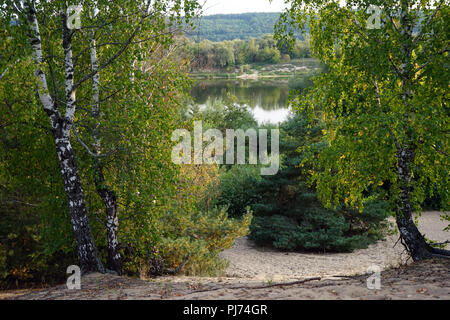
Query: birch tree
[[61, 128], [152, 48], [384, 103], [62, 61]]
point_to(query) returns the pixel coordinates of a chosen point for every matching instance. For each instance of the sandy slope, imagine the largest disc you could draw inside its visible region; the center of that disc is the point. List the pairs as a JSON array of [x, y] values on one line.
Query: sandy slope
[[425, 280], [252, 270], [247, 261]]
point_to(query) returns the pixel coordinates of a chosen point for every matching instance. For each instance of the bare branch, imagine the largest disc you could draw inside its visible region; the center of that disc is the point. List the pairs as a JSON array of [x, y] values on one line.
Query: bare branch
[[397, 70], [3, 74], [430, 56], [87, 148], [116, 55], [421, 34], [396, 27], [440, 151]]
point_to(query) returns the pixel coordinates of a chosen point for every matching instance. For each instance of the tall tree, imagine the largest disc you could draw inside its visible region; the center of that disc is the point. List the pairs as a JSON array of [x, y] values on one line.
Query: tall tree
[[383, 100], [64, 64], [61, 128], [156, 44]]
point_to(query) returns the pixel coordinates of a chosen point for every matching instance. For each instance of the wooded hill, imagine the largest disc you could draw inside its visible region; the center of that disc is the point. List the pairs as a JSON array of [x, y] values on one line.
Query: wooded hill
[[234, 26]]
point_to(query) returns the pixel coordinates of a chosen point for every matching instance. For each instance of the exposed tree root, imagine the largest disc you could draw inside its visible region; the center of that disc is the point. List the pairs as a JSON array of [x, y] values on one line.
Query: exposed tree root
[[440, 253], [261, 287]]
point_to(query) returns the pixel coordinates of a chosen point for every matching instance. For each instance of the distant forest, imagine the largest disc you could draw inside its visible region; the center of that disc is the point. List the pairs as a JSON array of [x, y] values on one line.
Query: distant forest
[[208, 55], [235, 26]]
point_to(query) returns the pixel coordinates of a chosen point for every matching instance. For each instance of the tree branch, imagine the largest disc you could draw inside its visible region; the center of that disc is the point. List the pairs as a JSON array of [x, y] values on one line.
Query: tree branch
[[116, 55], [430, 56], [262, 287], [420, 35], [36, 46], [87, 148], [3, 73]]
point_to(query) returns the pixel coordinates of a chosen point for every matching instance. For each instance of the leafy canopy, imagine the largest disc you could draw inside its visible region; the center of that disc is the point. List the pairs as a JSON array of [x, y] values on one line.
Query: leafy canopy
[[361, 101]]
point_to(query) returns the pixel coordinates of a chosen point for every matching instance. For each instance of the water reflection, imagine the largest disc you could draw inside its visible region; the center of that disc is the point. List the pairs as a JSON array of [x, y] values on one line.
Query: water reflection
[[268, 99], [270, 116]]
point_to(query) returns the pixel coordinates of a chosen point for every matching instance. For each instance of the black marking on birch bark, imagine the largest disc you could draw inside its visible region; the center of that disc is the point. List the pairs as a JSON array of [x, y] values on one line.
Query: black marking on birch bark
[[413, 239], [35, 42], [410, 235], [106, 194], [87, 251]]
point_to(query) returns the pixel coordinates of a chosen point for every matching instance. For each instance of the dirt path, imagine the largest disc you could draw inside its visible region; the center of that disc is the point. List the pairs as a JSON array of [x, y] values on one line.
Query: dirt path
[[252, 268]]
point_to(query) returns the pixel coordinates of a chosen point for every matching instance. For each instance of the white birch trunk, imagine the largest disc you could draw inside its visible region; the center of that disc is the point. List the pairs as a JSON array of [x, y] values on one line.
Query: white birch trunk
[[108, 196], [411, 236], [86, 248]]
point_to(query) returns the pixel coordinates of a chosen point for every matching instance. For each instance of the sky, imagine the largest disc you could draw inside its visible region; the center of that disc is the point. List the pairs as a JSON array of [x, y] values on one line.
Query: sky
[[241, 6]]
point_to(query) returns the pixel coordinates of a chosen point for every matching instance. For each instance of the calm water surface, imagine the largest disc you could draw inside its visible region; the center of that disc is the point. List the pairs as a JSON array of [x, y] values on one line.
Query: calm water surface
[[267, 99]]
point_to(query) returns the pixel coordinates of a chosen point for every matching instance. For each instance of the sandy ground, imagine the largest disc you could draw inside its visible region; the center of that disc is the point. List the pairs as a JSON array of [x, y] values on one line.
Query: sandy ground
[[256, 274], [248, 261]]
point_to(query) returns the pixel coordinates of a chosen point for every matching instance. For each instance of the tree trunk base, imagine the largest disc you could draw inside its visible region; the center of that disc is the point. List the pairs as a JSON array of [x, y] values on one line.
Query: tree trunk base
[[415, 242], [412, 239]]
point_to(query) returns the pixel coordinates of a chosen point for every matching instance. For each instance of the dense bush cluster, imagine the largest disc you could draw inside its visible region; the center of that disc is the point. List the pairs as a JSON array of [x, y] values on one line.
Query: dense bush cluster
[[318, 229], [163, 216], [287, 212]]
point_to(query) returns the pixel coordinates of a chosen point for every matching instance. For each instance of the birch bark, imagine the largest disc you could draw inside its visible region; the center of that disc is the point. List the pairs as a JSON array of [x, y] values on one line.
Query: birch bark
[[106, 194], [411, 236], [61, 126]]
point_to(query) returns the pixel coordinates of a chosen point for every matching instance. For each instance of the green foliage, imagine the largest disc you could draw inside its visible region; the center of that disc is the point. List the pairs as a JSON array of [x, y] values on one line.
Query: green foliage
[[161, 216], [227, 114], [202, 236], [207, 55], [288, 214], [23, 258], [33, 221], [318, 229], [192, 224], [433, 200], [239, 189], [384, 91]]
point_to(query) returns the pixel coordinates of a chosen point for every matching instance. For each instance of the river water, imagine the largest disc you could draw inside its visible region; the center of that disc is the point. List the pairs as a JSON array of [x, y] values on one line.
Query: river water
[[266, 98]]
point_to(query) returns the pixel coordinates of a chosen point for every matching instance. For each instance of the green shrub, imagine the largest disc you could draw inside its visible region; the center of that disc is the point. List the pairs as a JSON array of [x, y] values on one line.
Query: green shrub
[[202, 236], [279, 231], [433, 200], [318, 230], [238, 188], [23, 256], [288, 214]]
